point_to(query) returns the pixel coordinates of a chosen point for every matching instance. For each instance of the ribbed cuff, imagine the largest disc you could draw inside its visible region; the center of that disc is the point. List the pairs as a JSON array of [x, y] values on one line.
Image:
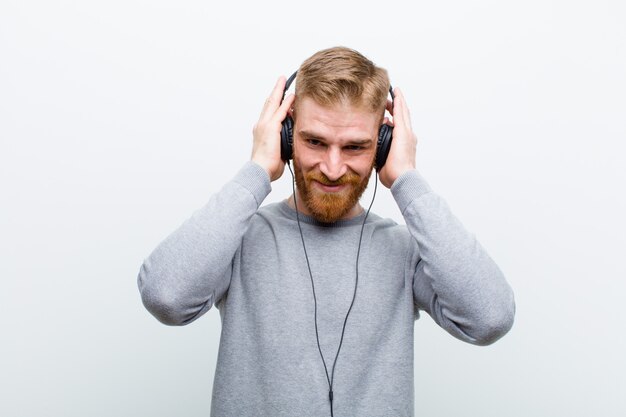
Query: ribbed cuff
[[407, 187], [254, 179]]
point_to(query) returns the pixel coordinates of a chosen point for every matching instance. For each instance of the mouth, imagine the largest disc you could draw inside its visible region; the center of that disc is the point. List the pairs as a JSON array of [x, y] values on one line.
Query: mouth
[[329, 188]]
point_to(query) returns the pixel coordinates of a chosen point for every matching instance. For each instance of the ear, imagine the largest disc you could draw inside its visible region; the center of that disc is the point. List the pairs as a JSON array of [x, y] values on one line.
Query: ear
[[292, 110]]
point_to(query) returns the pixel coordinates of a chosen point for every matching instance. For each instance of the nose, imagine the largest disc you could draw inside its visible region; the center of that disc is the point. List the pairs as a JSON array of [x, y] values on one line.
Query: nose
[[333, 165]]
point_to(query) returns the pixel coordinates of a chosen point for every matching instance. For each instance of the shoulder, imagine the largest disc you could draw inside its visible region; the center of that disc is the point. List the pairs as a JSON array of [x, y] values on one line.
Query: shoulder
[[270, 216], [392, 244], [389, 232], [270, 212]]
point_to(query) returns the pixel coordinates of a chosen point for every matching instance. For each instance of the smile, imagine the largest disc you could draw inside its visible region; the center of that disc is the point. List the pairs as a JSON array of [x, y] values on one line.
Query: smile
[[329, 188]]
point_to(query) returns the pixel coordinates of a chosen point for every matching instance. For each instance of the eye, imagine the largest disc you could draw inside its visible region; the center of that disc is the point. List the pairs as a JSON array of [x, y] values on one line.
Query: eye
[[354, 147], [314, 142]]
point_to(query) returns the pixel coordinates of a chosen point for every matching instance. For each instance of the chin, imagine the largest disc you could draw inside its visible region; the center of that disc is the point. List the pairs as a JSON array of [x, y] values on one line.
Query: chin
[[329, 207]]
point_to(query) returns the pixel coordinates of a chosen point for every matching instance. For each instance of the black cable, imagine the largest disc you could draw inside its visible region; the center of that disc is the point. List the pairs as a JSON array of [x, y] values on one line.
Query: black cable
[[332, 378], [358, 252], [310, 273]]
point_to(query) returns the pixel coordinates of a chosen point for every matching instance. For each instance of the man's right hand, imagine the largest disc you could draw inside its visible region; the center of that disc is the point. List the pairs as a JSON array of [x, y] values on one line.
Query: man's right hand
[[266, 132]]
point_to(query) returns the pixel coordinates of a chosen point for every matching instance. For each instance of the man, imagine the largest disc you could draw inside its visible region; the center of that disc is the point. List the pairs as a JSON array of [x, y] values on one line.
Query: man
[[318, 298]]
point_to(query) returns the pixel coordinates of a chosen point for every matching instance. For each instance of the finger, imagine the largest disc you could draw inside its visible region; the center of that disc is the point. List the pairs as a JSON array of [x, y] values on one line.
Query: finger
[[273, 100], [402, 115], [389, 106], [277, 92], [406, 114], [281, 113], [397, 106]]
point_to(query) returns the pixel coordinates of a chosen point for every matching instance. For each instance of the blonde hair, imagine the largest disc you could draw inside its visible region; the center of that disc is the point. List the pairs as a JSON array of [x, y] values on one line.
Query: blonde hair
[[336, 75]]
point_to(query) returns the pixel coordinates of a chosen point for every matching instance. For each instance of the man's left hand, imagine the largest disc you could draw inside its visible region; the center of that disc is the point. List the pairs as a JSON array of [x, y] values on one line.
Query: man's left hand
[[401, 156]]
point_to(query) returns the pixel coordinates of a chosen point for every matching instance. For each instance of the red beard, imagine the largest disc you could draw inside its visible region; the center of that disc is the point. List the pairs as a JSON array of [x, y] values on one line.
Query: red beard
[[329, 207]]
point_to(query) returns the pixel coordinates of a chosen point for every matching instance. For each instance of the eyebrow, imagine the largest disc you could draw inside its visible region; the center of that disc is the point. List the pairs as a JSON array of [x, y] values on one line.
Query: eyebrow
[[312, 135], [308, 134]]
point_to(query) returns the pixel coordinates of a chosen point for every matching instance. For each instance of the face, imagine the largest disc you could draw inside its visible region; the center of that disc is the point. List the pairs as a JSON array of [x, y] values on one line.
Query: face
[[334, 149]]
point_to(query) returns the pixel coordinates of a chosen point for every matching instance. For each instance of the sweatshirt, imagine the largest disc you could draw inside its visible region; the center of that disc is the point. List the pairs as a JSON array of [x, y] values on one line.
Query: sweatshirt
[[248, 260]]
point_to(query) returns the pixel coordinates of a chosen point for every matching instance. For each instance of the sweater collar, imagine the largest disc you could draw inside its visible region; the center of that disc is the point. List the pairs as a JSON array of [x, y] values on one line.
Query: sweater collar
[[290, 212]]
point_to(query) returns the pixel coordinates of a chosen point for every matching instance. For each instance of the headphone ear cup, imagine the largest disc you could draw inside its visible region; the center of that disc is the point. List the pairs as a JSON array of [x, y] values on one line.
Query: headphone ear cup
[[383, 146], [286, 139]]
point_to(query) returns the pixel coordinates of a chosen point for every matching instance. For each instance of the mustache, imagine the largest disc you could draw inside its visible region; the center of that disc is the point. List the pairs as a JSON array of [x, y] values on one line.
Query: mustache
[[347, 178]]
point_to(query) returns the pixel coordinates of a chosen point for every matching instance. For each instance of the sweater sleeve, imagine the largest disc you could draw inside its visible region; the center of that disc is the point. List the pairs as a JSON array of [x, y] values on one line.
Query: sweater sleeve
[[190, 270], [454, 280]]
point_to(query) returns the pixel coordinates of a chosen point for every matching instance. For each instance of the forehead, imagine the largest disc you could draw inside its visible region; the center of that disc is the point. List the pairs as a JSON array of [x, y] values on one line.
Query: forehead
[[338, 121]]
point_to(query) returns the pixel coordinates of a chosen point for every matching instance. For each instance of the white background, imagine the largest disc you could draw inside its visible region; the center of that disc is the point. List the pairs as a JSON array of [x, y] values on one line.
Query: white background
[[118, 119]]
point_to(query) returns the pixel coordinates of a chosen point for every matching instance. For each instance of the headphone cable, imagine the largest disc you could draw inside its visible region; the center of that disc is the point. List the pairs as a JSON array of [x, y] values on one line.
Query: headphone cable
[[332, 378]]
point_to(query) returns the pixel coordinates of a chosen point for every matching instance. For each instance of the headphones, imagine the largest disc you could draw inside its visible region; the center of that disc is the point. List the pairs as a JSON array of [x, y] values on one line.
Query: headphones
[[286, 134]]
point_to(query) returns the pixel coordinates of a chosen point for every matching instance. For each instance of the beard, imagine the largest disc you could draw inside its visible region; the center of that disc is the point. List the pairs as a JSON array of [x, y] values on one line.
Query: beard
[[329, 207]]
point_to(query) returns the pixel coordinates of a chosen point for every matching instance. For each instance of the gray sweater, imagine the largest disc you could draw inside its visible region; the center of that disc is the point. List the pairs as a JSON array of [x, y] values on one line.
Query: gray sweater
[[249, 261]]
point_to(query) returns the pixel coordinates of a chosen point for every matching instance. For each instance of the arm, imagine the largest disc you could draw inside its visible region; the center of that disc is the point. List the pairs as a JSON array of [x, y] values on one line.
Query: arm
[[455, 280], [190, 270]]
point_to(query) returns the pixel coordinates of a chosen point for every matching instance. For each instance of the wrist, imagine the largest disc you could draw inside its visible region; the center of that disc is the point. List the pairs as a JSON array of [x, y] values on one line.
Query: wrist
[[398, 172], [389, 174], [408, 187], [263, 163], [274, 170]]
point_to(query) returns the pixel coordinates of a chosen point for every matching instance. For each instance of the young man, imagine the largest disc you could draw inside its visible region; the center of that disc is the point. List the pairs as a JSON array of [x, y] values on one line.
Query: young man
[[318, 298]]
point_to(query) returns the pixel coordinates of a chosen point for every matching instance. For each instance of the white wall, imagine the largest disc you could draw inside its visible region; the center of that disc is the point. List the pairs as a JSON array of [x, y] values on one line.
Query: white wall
[[118, 119]]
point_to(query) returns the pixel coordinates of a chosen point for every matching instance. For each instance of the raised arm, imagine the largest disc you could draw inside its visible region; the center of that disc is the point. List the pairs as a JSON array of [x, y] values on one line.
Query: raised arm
[[455, 280], [190, 270]]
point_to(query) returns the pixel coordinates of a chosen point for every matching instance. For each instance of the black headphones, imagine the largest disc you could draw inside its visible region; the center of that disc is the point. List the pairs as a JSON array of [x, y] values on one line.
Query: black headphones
[[286, 134]]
